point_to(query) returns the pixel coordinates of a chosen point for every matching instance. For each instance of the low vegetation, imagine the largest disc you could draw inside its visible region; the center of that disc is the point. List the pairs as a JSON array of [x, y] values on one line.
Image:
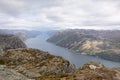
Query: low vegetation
[[34, 64], [20, 63]]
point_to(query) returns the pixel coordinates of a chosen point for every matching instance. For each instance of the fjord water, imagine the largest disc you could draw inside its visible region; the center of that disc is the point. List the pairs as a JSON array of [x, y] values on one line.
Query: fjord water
[[40, 42]]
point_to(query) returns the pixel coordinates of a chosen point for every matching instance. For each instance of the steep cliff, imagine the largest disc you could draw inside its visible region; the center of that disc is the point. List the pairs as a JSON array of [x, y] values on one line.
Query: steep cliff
[[10, 42], [99, 43]]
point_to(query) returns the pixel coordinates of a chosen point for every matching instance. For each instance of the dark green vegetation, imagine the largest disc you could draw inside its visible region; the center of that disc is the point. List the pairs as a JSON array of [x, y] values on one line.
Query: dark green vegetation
[[102, 43]]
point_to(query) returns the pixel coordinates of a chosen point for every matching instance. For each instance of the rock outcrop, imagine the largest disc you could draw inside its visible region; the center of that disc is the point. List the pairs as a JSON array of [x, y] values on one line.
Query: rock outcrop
[[89, 71], [34, 63], [10, 74], [94, 71], [10, 42]]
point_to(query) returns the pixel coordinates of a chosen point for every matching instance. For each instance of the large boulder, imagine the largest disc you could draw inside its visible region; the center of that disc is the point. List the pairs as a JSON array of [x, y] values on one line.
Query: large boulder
[[10, 74], [94, 71]]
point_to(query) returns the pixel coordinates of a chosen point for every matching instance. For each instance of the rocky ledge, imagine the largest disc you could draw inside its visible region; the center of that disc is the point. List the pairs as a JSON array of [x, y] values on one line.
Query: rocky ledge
[[89, 71], [34, 63], [10, 74], [94, 71]]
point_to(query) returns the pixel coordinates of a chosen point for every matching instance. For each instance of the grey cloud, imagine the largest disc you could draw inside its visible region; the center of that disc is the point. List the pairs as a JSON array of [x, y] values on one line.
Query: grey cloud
[[17, 7], [43, 3], [55, 18], [95, 23], [59, 13], [11, 7]]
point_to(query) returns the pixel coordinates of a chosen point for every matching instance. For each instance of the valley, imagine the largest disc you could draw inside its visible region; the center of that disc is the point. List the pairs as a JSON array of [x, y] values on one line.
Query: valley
[[101, 43], [37, 59]]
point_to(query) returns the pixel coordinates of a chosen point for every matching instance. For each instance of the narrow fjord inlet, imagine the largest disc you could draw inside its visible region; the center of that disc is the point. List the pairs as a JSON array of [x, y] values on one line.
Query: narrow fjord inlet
[[40, 42], [59, 39]]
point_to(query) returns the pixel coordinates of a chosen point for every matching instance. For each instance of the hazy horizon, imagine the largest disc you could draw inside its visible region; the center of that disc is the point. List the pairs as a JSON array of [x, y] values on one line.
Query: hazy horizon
[[60, 14]]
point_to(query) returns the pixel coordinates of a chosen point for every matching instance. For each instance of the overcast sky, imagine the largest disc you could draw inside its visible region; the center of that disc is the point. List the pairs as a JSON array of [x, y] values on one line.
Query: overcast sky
[[59, 14]]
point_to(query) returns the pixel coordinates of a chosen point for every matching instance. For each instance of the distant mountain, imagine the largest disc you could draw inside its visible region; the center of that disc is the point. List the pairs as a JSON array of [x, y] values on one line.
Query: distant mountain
[[10, 42], [21, 63], [102, 43], [26, 34], [22, 34]]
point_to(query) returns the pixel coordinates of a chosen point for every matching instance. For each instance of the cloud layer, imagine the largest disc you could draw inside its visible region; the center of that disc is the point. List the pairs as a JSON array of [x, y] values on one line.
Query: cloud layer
[[60, 14]]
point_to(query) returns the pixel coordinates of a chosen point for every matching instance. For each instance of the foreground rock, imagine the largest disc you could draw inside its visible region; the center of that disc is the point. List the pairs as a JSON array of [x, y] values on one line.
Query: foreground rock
[[95, 71], [34, 63], [89, 71], [10, 74]]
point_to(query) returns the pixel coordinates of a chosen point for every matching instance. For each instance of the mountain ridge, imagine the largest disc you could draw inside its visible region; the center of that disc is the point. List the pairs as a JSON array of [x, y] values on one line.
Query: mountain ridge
[[90, 42], [21, 63], [10, 42]]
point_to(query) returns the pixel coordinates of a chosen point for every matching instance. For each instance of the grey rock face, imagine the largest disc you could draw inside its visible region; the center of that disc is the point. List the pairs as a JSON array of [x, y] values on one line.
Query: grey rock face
[[10, 74], [10, 42], [30, 74], [34, 63]]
